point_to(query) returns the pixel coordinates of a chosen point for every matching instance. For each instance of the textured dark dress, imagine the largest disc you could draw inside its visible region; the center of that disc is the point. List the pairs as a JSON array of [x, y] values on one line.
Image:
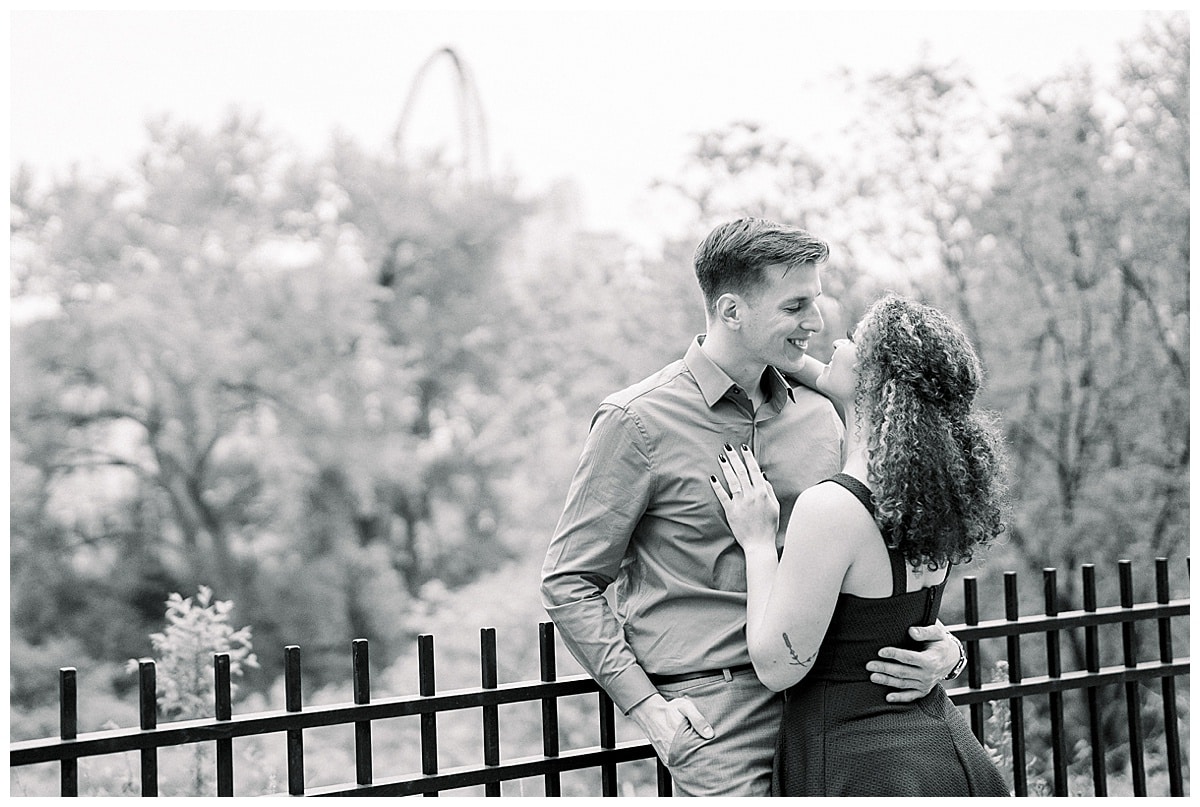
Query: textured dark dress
[[840, 737]]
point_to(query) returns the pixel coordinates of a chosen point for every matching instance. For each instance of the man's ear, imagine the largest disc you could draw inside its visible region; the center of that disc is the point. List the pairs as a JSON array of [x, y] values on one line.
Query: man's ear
[[729, 310]]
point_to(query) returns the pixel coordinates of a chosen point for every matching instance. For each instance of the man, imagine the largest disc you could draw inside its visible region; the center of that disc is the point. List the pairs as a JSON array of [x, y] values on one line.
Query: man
[[641, 513]]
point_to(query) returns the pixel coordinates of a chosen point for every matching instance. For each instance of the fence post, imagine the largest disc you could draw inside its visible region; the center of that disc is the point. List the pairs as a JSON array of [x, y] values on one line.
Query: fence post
[[428, 686], [295, 737], [1133, 713], [608, 740], [1091, 636], [223, 697], [1058, 740], [68, 726], [360, 670], [148, 715], [974, 661], [665, 785], [1016, 704], [1166, 655], [549, 705], [489, 679]]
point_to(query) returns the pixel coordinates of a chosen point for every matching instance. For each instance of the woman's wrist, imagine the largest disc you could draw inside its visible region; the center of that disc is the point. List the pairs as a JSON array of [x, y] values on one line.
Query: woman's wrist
[[761, 547]]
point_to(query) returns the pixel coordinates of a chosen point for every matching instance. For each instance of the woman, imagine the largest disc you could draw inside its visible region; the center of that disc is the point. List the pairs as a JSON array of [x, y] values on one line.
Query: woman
[[867, 555]]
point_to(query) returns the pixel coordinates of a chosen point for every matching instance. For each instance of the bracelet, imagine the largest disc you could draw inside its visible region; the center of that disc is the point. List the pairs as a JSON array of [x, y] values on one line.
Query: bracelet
[[962, 659]]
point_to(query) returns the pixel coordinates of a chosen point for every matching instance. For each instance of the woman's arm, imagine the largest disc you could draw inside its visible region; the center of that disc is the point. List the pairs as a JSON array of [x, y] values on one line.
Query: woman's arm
[[789, 601], [807, 376], [788, 612], [808, 372]]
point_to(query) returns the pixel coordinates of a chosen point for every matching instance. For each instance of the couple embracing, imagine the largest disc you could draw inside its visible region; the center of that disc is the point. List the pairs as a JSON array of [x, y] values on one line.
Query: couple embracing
[[778, 561]]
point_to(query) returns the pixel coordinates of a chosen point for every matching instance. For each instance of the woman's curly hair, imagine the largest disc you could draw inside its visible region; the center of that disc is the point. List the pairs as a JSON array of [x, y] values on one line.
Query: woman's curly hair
[[934, 464]]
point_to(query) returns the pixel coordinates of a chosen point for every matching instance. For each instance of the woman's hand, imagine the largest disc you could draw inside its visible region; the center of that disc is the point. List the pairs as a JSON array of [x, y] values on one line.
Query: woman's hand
[[750, 504]]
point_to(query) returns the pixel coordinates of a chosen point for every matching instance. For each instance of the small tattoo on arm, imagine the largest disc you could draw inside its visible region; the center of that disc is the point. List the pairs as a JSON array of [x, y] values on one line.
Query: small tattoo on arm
[[795, 658]]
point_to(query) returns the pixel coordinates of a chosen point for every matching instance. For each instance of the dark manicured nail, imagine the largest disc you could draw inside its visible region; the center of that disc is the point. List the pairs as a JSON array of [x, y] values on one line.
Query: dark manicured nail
[[712, 478], [728, 447], [745, 447], [721, 457]]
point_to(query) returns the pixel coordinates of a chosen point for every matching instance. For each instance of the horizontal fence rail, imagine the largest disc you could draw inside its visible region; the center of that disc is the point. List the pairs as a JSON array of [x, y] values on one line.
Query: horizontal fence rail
[[1006, 696]]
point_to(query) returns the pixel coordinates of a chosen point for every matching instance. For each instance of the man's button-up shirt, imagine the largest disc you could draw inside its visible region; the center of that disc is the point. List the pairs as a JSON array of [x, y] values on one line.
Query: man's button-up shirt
[[641, 513]]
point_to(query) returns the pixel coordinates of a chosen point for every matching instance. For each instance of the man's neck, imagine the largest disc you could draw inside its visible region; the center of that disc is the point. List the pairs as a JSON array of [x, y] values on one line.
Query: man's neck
[[746, 374]]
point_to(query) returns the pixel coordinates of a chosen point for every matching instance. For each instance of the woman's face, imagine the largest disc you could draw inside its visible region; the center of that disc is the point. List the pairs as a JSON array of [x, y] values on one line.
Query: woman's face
[[838, 378]]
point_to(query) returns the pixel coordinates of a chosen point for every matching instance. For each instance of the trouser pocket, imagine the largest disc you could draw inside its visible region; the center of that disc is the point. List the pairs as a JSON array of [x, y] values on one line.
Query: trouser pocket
[[680, 737]]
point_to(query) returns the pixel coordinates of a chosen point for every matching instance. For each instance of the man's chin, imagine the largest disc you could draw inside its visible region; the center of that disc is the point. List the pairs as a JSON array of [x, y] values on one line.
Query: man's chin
[[790, 364]]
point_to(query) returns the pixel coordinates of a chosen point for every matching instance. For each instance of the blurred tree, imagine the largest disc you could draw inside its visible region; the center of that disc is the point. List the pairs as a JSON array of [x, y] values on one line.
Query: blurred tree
[[214, 384], [433, 246], [923, 149], [1088, 297], [1084, 259]]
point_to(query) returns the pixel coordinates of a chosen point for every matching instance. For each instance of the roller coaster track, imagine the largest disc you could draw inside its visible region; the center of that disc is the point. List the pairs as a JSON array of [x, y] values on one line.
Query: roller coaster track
[[472, 125]]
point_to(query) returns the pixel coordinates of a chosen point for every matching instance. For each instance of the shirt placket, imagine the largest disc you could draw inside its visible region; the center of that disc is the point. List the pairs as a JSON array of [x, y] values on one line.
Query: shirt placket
[[746, 409]]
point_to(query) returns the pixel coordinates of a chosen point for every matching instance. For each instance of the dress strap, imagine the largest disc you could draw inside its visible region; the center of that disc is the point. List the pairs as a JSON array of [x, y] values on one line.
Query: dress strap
[[863, 494], [860, 491]]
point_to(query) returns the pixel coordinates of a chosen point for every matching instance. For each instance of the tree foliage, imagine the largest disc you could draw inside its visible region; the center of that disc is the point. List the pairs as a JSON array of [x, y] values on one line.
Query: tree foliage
[[226, 380]]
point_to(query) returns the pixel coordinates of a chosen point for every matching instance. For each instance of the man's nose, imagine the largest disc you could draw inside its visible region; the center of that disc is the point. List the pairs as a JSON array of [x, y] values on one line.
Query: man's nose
[[813, 321]]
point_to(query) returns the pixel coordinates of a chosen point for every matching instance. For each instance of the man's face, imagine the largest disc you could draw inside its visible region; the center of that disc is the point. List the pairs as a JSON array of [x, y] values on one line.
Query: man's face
[[781, 315]]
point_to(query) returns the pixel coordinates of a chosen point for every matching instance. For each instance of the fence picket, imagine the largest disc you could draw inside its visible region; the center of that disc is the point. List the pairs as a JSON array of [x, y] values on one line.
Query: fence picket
[[1133, 710], [491, 712], [68, 726], [1016, 704], [428, 686], [549, 705], [293, 703], [360, 667], [148, 719], [223, 707], [1091, 636], [608, 739], [1162, 590], [1058, 739], [974, 659]]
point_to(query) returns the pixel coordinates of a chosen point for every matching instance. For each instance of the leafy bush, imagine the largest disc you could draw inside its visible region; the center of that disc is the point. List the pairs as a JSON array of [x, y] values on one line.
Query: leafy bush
[[195, 631]]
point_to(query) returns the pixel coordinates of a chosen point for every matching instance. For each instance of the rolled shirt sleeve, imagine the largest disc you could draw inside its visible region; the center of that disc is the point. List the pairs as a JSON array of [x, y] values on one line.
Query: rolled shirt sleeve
[[608, 495]]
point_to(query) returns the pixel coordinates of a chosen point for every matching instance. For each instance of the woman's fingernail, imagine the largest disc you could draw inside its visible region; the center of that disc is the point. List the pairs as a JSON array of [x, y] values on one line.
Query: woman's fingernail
[[728, 447], [721, 457], [745, 447], [712, 478]]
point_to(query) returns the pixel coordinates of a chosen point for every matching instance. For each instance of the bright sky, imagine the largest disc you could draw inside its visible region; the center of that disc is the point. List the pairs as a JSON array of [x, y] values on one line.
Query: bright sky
[[607, 97]]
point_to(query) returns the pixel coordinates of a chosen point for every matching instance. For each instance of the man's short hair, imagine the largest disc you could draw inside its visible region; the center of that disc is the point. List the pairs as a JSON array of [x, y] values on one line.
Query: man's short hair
[[733, 256]]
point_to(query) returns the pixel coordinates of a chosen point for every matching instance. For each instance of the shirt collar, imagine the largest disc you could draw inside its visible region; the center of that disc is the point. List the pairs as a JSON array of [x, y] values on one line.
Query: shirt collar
[[715, 383]]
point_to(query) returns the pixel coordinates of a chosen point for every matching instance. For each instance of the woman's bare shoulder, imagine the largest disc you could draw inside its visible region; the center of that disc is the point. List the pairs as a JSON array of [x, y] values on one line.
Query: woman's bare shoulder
[[832, 505]]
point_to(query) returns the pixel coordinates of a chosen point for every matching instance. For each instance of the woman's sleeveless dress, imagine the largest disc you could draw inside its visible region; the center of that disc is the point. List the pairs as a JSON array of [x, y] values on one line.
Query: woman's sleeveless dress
[[840, 737]]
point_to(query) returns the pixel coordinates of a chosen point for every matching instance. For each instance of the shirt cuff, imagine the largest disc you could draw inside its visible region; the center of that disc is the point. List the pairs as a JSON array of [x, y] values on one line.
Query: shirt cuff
[[630, 687]]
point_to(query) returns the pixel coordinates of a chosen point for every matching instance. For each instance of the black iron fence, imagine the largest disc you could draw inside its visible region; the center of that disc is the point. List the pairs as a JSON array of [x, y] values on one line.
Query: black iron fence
[[994, 706]]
